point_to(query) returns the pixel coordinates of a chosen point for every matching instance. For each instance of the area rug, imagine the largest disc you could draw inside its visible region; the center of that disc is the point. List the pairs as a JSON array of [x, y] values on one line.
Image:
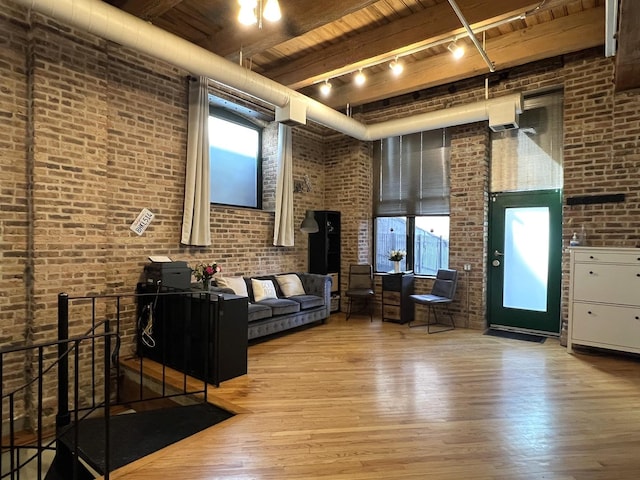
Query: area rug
[[527, 337]]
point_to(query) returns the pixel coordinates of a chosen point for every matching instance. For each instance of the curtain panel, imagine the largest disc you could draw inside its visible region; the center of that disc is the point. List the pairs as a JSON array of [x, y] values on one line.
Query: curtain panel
[[195, 218]]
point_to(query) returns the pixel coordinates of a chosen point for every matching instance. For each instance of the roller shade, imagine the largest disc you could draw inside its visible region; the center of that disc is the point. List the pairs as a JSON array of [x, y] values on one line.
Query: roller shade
[[411, 174]]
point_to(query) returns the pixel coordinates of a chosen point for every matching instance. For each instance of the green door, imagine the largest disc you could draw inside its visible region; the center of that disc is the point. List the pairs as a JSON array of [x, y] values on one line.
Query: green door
[[525, 255]]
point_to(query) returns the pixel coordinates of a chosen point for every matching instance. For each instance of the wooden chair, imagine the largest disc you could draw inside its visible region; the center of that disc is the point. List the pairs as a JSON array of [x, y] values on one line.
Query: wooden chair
[[442, 293], [361, 287]]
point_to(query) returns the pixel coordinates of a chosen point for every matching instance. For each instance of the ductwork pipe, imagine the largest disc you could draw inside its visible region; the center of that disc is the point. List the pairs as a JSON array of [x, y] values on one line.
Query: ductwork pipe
[[105, 21]]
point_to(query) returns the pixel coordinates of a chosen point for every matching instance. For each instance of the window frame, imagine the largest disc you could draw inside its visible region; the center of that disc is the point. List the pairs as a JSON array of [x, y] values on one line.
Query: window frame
[[231, 117]]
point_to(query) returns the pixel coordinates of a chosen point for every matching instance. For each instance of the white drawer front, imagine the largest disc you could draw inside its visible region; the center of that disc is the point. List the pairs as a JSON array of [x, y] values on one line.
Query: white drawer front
[[608, 257], [615, 326], [618, 284]]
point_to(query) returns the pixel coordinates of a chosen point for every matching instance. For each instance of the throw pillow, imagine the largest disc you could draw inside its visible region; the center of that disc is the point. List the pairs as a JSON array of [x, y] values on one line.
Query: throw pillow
[[237, 284], [290, 285], [263, 289]]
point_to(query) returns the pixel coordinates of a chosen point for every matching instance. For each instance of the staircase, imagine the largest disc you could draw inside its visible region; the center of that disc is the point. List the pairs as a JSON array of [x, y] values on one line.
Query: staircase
[[98, 430]]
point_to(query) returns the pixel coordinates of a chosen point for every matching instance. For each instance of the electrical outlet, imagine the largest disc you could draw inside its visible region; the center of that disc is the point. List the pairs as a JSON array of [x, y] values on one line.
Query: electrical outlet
[[467, 267]]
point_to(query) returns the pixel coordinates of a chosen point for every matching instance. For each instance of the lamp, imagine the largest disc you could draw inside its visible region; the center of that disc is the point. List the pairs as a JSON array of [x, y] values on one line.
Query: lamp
[[456, 50], [309, 224], [325, 88], [360, 78], [253, 11], [396, 67]]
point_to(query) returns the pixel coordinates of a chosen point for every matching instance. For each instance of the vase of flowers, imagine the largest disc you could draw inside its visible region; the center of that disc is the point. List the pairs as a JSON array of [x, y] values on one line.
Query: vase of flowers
[[396, 256], [204, 272]]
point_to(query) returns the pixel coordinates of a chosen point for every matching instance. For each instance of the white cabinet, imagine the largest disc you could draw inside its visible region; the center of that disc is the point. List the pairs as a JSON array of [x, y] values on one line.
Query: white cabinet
[[604, 298]]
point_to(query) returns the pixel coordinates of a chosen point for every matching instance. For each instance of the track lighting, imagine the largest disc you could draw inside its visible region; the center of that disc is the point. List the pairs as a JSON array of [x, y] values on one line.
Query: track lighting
[[396, 67], [325, 88], [456, 50], [360, 78]]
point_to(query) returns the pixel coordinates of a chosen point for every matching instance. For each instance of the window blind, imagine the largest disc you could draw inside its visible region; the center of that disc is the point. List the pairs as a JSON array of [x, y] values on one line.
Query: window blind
[[411, 174]]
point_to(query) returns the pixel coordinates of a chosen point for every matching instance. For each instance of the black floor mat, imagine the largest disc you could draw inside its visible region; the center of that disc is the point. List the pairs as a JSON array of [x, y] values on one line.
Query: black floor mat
[[136, 435], [527, 337]]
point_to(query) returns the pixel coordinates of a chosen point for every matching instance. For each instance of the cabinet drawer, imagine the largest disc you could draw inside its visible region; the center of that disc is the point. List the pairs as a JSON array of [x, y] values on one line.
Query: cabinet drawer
[[595, 256], [391, 312], [618, 284], [393, 298], [605, 324]]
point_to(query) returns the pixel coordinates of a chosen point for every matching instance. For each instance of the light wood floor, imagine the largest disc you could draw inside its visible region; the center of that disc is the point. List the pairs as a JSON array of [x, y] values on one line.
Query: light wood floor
[[361, 400]]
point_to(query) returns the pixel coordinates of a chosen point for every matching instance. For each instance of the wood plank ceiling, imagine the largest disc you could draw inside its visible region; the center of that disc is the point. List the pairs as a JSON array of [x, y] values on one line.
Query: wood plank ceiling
[[331, 39]]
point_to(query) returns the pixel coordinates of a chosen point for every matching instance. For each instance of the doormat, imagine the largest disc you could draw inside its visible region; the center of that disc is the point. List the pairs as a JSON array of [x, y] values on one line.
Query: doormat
[[527, 337]]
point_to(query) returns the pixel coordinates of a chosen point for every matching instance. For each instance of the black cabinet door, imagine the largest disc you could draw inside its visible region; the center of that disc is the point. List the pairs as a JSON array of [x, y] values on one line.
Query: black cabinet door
[[325, 249]]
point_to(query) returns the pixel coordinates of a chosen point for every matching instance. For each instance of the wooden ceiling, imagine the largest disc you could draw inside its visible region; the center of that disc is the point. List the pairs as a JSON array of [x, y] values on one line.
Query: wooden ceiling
[[330, 39]]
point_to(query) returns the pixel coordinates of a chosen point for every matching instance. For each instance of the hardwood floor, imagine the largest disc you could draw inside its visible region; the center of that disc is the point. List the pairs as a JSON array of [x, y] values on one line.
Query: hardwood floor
[[360, 400]]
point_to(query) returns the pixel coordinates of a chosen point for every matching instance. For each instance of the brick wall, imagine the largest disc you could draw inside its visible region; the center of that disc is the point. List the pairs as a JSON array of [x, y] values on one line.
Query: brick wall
[[106, 137]]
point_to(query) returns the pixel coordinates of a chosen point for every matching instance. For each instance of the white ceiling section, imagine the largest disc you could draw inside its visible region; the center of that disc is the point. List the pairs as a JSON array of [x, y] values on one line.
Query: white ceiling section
[[110, 23]]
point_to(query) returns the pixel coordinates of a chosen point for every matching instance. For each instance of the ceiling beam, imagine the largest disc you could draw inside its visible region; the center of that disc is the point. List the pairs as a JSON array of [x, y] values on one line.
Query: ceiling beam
[[557, 37], [147, 9], [627, 74], [422, 28], [298, 18]]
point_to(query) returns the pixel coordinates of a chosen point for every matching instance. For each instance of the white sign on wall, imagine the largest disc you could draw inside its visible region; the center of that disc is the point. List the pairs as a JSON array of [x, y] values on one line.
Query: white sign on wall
[[142, 222]]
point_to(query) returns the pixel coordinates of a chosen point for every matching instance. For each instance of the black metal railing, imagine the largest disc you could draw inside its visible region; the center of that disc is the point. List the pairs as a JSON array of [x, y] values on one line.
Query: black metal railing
[[84, 371]]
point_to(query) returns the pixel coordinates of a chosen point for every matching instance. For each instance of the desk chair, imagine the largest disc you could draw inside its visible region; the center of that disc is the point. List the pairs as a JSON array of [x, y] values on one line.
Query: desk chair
[[361, 287], [442, 293]]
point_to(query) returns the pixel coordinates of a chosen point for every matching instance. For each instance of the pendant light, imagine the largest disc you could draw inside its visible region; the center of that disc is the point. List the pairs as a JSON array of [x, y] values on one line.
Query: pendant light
[[309, 224], [254, 11]]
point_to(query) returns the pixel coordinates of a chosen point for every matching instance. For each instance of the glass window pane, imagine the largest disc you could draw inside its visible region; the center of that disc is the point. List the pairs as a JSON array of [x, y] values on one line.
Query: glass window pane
[[431, 244], [234, 163], [391, 234], [526, 258], [530, 157]]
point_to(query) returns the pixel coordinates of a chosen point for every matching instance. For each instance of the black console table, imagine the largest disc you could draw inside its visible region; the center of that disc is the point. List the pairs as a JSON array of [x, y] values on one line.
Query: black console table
[[396, 304], [202, 335]]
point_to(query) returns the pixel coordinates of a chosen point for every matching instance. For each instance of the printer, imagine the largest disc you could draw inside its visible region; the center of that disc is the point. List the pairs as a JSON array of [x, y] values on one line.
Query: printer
[[168, 274]]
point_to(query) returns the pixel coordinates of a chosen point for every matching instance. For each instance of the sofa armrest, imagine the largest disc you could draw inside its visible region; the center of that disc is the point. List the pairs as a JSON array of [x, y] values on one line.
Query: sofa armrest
[[317, 284]]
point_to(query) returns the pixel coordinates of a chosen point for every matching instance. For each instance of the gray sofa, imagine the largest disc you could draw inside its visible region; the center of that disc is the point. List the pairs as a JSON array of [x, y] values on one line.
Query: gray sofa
[[274, 315]]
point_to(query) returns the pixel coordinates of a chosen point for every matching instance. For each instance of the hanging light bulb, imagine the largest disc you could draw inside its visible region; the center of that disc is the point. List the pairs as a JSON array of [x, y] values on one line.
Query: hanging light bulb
[[247, 14], [396, 67], [456, 50], [271, 11], [360, 78], [325, 88]]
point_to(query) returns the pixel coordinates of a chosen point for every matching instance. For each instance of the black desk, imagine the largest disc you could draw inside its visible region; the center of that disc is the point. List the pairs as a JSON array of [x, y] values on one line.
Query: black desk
[[396, 304], [195, 333]]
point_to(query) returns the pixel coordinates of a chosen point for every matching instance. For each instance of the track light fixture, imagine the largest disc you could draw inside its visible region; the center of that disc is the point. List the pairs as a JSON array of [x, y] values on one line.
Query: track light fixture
[[360, 78], [253, 11], [456, 50], [396, 67], [325, 88]]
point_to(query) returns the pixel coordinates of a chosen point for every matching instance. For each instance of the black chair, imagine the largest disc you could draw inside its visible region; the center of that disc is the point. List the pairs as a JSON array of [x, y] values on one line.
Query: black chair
[[361, 287], [442, 293]]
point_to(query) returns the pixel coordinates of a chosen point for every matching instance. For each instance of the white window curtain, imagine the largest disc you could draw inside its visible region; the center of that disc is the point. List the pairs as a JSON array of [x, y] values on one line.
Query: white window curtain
[[195, 218], [283, 232]]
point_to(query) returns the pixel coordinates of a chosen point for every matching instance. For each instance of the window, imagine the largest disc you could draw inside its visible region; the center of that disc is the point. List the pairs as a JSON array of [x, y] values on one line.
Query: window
[[234, 159], [411, 201]]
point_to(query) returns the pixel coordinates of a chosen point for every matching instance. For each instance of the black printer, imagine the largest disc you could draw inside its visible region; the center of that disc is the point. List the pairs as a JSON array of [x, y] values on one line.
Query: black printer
[[168, 274]]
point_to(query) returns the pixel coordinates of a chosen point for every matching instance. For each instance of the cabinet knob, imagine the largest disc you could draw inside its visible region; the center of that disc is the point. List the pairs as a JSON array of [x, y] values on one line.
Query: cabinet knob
[[591, 257], [637, 317], [589, 312], [590, 273]]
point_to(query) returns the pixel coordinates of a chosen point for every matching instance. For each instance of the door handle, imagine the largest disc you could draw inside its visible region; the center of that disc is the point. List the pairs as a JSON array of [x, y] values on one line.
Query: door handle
[[498, 254]]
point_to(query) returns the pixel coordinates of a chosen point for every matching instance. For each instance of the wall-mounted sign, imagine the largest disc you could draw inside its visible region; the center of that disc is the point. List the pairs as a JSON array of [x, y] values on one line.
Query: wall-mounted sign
[[142, 222]]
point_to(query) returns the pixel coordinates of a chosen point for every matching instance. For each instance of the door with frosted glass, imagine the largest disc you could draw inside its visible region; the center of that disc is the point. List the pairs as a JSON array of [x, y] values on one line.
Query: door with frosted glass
[[525, 250]]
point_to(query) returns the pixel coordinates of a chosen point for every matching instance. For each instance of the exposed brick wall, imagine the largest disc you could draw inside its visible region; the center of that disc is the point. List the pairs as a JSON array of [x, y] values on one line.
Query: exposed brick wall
[[109, 138]]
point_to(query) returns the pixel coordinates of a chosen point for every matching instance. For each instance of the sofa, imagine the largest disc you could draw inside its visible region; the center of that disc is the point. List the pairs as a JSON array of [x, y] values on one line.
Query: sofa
[[280, 302]]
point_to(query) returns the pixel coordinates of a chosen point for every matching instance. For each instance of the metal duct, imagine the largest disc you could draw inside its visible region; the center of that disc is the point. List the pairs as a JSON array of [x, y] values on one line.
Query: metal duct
[[110, 23]]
